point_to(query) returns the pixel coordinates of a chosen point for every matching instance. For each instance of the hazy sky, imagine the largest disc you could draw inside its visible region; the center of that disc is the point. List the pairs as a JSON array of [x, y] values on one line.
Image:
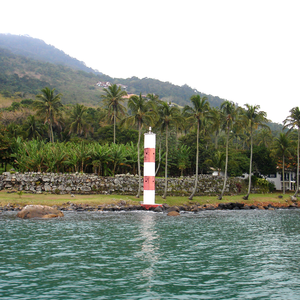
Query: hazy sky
[[240, 50]]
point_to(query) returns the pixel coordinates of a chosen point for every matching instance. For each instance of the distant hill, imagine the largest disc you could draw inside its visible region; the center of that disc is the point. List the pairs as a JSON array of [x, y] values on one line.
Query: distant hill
[[28, 64], [39, 50]]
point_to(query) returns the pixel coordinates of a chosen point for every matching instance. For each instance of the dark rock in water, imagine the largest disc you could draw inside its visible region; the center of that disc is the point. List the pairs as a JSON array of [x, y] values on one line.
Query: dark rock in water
[[182, 208], [231, 205], [195, 209], [173, 208], [292, 206], [134, 207], [173, 213], [39, 211], [158, 209]]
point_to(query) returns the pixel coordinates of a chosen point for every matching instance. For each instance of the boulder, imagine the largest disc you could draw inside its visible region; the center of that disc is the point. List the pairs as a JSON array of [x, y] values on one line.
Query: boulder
[[39, 211], [173, 213], [172, 208], [158, 209]]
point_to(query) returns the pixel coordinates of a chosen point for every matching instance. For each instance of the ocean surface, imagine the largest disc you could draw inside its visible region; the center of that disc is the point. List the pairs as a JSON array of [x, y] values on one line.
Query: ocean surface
[[146, 255]]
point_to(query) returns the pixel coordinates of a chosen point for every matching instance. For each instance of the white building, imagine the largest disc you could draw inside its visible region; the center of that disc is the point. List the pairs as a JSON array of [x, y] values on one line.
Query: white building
[[289, 180]]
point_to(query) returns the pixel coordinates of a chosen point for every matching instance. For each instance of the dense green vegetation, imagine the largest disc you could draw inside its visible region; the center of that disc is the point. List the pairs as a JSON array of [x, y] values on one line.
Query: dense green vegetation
[[55, 119], [44, 135]]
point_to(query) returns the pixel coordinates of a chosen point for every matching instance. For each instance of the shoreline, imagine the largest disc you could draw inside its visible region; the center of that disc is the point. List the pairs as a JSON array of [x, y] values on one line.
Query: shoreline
[[123, 206]]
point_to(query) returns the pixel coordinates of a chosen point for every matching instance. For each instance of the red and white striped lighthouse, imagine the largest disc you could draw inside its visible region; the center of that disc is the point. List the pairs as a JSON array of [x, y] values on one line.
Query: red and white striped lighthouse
[[149, 170]]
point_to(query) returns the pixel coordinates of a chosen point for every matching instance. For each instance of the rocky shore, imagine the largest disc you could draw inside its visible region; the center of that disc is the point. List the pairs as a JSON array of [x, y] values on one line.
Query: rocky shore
[[124, 206]]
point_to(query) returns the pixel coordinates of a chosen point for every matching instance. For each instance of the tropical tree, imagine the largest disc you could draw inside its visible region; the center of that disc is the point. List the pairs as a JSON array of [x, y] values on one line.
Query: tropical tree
[[196, 115], [100, 158], [253, 118], [183, 157], [153, 97], [54, 157], [263, 137], [283, 148], [168, 116], [29, 156], [142, 114], [5, 147], [292, 121], [113, 99], [215, 117], [217, 161], [229, 115], [117, 154], [48, 106], [78, 117], [33, 128]]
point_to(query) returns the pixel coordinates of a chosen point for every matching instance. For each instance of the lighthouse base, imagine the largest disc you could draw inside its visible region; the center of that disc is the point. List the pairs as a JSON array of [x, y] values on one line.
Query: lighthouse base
[[149, 206]]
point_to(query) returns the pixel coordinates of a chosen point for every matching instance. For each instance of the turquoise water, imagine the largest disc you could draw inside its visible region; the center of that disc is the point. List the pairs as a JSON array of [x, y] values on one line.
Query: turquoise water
[[143, 255]]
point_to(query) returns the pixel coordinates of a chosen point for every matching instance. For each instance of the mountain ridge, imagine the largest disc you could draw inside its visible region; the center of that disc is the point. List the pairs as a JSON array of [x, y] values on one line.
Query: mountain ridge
[[40, 64]]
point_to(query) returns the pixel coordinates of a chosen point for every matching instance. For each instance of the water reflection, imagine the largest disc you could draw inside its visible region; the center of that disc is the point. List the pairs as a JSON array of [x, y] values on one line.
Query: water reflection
[[149, 254]]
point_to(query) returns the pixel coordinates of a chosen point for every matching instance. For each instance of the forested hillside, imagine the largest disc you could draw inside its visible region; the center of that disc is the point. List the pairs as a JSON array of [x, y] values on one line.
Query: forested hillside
[[39, 50], [28, 65]]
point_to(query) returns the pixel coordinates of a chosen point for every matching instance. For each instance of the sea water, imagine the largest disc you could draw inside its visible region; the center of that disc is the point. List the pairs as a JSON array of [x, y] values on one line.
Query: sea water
[[146, 255]]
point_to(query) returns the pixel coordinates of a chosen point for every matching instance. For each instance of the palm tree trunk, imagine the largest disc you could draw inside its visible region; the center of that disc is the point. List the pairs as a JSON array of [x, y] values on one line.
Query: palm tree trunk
[[139, 161], [297, 189], [216, 140], [159, 157], [166, 165], [283, 183], [114, 125], [197, 161], [226, 166], [250, 168]]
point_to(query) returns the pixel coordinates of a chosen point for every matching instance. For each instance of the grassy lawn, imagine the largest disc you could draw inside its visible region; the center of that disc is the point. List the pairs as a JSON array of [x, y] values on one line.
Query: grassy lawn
[[52, 199]]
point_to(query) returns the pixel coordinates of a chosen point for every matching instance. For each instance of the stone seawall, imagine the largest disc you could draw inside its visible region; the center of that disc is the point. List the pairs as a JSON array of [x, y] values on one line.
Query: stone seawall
[[120, 184]]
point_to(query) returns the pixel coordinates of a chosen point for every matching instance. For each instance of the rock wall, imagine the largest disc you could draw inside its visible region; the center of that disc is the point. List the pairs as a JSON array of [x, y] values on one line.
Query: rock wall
[[120, 184]]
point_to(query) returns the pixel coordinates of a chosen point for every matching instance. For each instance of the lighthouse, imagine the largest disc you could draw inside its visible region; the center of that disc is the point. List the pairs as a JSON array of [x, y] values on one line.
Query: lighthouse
[[149, 170]]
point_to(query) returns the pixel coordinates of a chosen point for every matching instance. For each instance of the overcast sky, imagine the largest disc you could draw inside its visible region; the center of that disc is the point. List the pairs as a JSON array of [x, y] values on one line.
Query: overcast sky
[[240, 50]]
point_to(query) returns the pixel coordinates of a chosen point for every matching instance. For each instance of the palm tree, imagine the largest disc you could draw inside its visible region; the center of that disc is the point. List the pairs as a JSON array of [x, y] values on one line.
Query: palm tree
[[168, 116], [32, 127], [78, 120], [264, 137], [153, 97], [293, 120], [117, 154], [217, 161], [48, 107], [112, 99], [282, 148], [196, 114], [142, 113], [253, 118], [215, 117], [183, 157], [229, 115]]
